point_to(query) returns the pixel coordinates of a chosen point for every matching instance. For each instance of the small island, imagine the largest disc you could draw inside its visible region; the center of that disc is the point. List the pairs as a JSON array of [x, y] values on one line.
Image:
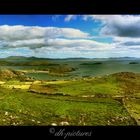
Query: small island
[[133, 62]]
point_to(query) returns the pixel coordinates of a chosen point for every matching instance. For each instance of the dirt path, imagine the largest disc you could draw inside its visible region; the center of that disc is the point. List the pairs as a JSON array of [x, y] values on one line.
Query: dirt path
[[34, 71]]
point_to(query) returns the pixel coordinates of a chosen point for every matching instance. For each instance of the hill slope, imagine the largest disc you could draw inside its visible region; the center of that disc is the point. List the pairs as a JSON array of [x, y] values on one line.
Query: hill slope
[[8, 74]]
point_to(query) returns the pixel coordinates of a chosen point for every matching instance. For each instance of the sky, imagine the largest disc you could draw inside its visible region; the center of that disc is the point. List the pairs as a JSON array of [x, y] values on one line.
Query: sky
[[70, 36]]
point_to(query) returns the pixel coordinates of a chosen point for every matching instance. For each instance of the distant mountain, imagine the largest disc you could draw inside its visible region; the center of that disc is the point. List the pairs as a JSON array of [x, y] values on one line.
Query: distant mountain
[[15, 57], [22, 58], [37, 58], [124, 58], [74, 58]]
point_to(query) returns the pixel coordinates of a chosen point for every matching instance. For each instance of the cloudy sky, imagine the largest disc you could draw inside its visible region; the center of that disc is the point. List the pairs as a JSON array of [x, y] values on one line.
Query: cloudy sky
[[63, 36]]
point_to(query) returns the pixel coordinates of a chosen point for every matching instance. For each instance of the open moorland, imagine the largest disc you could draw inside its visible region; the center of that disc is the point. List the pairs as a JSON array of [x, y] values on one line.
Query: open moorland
[[73, 91]]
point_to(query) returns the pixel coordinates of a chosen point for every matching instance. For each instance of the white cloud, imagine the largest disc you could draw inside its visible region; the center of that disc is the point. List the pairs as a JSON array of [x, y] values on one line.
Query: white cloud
[[34, 37], [62, 42], [124, 29], [118, 25], [97, 17], [31, 43], [55, 17], [31, 32], [70, 17], [127, 43], [79, 44], [57, 43], [114, 25]]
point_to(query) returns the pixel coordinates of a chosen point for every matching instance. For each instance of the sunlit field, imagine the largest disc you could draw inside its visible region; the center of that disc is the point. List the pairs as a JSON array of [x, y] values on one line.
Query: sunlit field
[[62, 93]]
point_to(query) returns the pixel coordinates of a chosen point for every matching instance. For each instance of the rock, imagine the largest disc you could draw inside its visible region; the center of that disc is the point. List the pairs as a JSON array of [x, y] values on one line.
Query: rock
[[54, 124], [113, 120], [138, 119], [84, 96], [6, 113], [11, 117], [38, 121], [33, 120], [14, 123], [121, 119], [64, 123], [92, 95]]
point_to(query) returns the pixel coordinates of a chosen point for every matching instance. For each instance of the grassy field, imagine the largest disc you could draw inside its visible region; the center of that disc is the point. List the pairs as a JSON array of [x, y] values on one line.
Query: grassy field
[[68, 92], [133, 107], [19, 107]]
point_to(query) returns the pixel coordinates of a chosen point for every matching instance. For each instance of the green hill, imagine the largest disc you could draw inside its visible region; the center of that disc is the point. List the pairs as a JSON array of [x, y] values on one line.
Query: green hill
[[8, 74], [118, 84]]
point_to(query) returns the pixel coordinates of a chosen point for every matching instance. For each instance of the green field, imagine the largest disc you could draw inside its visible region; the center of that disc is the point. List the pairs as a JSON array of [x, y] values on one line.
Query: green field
[[35, 91]]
